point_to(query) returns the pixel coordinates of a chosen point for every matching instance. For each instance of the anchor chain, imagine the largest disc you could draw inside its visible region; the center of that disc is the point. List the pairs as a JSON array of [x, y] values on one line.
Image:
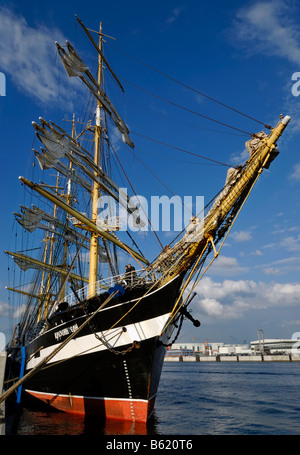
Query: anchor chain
[[177, 334], [134, 345]]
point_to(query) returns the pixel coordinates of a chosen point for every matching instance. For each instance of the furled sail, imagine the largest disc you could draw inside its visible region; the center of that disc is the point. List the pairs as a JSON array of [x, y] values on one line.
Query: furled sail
[[256, 142], [253, 144], [82, 218], [30, 219], [74, 66], [47, 161], [26, 265], [239, 182], [27, 262], [58, 146]]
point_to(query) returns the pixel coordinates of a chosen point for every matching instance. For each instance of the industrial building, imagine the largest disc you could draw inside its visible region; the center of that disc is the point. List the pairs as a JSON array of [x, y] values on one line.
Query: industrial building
[[260, 346], [273, 346], [208, 349]]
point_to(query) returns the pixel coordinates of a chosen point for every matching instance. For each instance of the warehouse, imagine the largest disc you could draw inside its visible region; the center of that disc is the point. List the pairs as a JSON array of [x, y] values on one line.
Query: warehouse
[[274, 346]]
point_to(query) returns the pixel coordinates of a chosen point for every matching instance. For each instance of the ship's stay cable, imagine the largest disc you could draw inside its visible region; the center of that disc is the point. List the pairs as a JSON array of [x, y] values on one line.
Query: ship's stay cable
[[197, 215], [135, 195], [187, 109], [157, 178], [174, 313], [55, 351], [180, 149], [189, 87], [163, 184], [160, 181], [134, 242]]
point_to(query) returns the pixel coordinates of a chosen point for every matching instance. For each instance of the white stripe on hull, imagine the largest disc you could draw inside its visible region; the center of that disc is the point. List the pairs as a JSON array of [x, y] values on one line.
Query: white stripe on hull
[[115, 338]]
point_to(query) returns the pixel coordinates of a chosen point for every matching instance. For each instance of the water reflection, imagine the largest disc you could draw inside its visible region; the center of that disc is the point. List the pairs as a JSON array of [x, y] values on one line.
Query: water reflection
[[198, 399], [33, 422]]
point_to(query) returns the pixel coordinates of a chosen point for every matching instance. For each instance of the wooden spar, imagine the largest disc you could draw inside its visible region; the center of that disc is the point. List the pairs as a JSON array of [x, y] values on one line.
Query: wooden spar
[[255, 164], [66, 244], [86, 221], [44, 265], [23, 292], [61, 292], [94, 241], [99, 50], [252, 169]]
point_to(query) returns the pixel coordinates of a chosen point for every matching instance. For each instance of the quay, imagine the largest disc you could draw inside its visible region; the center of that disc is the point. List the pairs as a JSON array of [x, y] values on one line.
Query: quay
[[233, 358], [2, 405]]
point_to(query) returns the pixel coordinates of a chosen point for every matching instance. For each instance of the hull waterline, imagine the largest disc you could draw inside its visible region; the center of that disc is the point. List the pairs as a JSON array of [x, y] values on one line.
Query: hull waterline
[[105, 371]]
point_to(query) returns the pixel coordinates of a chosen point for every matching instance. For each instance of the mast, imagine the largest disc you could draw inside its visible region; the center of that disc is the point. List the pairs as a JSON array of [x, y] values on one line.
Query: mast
[[45, 296], [57, 146], [68, 200], [93, 271]]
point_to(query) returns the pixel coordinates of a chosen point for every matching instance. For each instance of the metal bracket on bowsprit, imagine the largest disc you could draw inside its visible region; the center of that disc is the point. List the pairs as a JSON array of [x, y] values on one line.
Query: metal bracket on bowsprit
[[188, 315]]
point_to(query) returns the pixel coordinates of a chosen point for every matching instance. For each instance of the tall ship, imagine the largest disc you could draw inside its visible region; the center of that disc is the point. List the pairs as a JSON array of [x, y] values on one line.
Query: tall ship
[[91, 344]]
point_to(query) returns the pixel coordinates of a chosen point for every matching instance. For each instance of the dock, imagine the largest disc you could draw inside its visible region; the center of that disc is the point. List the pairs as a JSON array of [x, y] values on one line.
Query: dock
[[234, 358], [2, 405]]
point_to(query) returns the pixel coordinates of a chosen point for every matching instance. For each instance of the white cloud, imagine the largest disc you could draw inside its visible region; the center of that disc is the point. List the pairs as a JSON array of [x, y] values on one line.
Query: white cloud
[[289, 243], [267, 27], [272, 271], [175, 14], [211, 307], [257, 253], [230, 300], [240, 157], [241, 236], [28, 56], [285, 294], [4, 309], [217, 290], [225, 265], [295, 175], [281, 266], [19, 312]]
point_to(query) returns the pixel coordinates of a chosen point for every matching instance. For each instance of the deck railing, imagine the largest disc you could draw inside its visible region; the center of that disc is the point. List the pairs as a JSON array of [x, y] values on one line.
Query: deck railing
[[105, 284]]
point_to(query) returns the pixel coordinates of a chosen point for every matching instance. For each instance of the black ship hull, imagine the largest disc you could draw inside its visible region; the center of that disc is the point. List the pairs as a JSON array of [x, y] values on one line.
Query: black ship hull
[[112, 367]]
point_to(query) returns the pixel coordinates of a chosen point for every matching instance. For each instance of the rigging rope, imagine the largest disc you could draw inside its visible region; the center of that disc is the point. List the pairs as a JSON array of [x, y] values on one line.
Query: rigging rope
[[190, 88], [180, 149], [136, 195], [160, 181], [174, 313], [34, 370], [186, 109]]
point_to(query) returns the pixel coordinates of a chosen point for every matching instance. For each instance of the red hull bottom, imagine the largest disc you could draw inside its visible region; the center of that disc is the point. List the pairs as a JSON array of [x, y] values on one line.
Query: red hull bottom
[[108, 408]]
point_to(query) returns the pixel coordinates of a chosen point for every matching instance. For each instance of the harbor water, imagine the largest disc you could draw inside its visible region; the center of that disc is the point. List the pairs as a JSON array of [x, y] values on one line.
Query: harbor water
[[209, 398]]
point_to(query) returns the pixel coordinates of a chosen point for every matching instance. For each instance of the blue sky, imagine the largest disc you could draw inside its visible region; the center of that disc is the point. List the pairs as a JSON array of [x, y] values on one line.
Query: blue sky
[[243, 54]]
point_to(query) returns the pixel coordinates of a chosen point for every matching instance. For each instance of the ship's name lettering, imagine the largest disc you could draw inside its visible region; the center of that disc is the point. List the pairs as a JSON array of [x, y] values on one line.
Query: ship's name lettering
[[65, 332]]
